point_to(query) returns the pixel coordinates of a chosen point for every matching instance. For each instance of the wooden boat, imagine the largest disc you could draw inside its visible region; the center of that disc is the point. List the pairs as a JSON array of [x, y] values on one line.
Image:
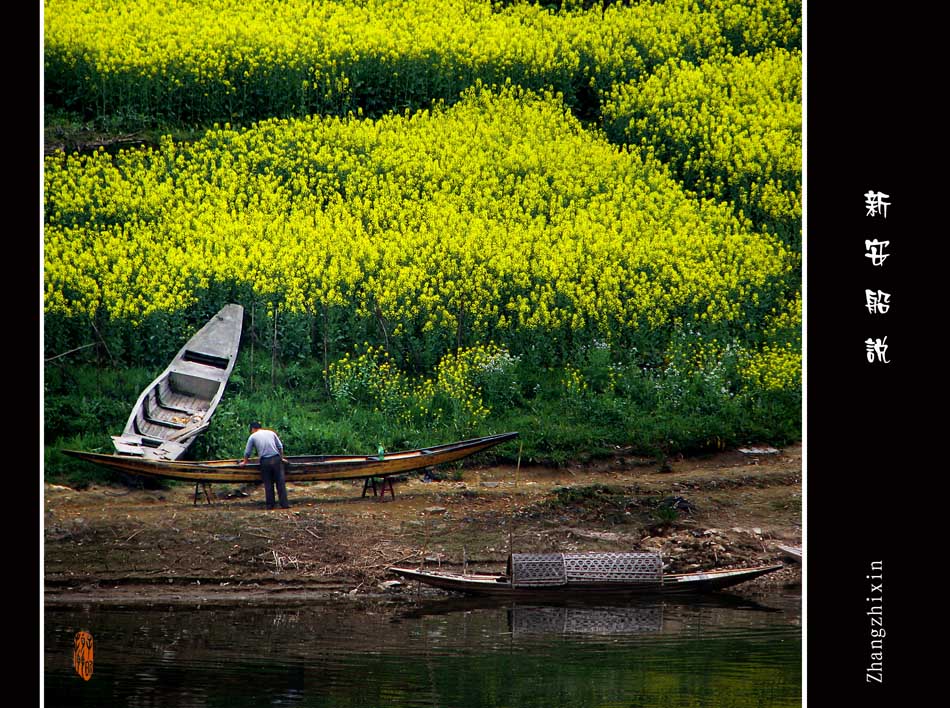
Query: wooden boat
[[304, 468], [791, 551], [565, 574], [177, 406]]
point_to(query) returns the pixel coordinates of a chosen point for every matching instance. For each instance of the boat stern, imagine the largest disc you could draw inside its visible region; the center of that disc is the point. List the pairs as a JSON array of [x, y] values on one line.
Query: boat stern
[[147, 448]]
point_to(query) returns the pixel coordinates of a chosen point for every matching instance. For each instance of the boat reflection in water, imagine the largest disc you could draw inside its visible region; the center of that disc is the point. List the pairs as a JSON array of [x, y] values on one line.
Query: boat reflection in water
[[597, 617], [585, 620]]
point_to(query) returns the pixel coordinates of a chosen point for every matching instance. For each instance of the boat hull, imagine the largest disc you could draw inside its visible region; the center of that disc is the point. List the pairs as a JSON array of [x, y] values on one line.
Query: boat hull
[[792, 551], [500, 585], [177, 406], [304, 468]]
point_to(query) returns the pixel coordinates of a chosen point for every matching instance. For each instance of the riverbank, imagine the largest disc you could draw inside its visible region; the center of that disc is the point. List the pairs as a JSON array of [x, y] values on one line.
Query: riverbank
[[106, 544]]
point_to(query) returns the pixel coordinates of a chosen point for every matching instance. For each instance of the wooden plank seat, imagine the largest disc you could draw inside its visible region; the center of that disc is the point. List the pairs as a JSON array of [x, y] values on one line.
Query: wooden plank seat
[[176, 400], [151, 415], [153, 419], [165, 423], [146, 429], [148, 426], [156, 396], [161, 415]]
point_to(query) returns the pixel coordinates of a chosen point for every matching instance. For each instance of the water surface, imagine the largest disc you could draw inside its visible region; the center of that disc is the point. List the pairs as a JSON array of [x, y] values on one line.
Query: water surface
[[720, 653]]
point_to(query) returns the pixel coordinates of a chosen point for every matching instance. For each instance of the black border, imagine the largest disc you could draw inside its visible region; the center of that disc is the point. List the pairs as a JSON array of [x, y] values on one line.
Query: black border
[[871, 463]]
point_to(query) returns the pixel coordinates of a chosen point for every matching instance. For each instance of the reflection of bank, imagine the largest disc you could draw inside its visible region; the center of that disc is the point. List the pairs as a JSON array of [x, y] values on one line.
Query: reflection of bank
[[585, 620]]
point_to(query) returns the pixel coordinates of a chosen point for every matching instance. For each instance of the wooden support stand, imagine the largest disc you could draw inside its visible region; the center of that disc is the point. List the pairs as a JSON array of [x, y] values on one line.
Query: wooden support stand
[[387, 483], [206, 487]]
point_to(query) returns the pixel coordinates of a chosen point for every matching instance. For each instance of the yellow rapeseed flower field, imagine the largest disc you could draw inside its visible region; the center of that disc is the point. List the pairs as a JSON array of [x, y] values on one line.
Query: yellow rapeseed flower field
[[245, 60], [498, 214], [731, 127], [419, 165]]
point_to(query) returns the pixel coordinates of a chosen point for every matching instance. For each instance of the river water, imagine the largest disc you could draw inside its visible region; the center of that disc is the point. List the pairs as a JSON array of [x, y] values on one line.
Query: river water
[[719, 651]]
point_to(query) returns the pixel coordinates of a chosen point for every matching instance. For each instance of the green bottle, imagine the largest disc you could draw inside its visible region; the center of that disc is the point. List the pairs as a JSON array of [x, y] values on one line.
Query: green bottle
[[381, 452]]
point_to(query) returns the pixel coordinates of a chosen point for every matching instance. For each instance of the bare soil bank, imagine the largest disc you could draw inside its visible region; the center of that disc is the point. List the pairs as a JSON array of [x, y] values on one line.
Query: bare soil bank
[[119, 545]]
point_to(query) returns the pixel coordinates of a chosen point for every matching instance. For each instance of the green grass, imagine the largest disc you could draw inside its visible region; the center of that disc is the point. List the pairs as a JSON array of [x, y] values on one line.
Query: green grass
[[85, 404]]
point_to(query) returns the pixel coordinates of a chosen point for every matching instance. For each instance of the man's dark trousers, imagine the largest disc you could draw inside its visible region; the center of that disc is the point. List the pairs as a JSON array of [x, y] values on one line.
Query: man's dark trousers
[[272, 472]]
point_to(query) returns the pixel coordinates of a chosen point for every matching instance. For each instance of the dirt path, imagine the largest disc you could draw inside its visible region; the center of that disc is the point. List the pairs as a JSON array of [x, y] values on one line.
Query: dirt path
[[111, 544]]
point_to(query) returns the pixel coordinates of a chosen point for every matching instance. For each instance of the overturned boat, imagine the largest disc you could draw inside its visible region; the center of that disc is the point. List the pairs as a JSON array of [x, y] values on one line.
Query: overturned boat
[[301, 468], [567, 574], [177, 406]]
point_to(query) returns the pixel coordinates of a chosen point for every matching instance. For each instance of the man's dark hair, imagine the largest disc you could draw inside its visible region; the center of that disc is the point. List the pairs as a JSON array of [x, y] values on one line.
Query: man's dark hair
[[255, 425]]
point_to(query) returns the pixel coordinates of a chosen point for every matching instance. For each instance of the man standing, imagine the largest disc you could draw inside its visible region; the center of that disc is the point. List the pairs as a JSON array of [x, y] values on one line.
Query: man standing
[[271, 451]]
